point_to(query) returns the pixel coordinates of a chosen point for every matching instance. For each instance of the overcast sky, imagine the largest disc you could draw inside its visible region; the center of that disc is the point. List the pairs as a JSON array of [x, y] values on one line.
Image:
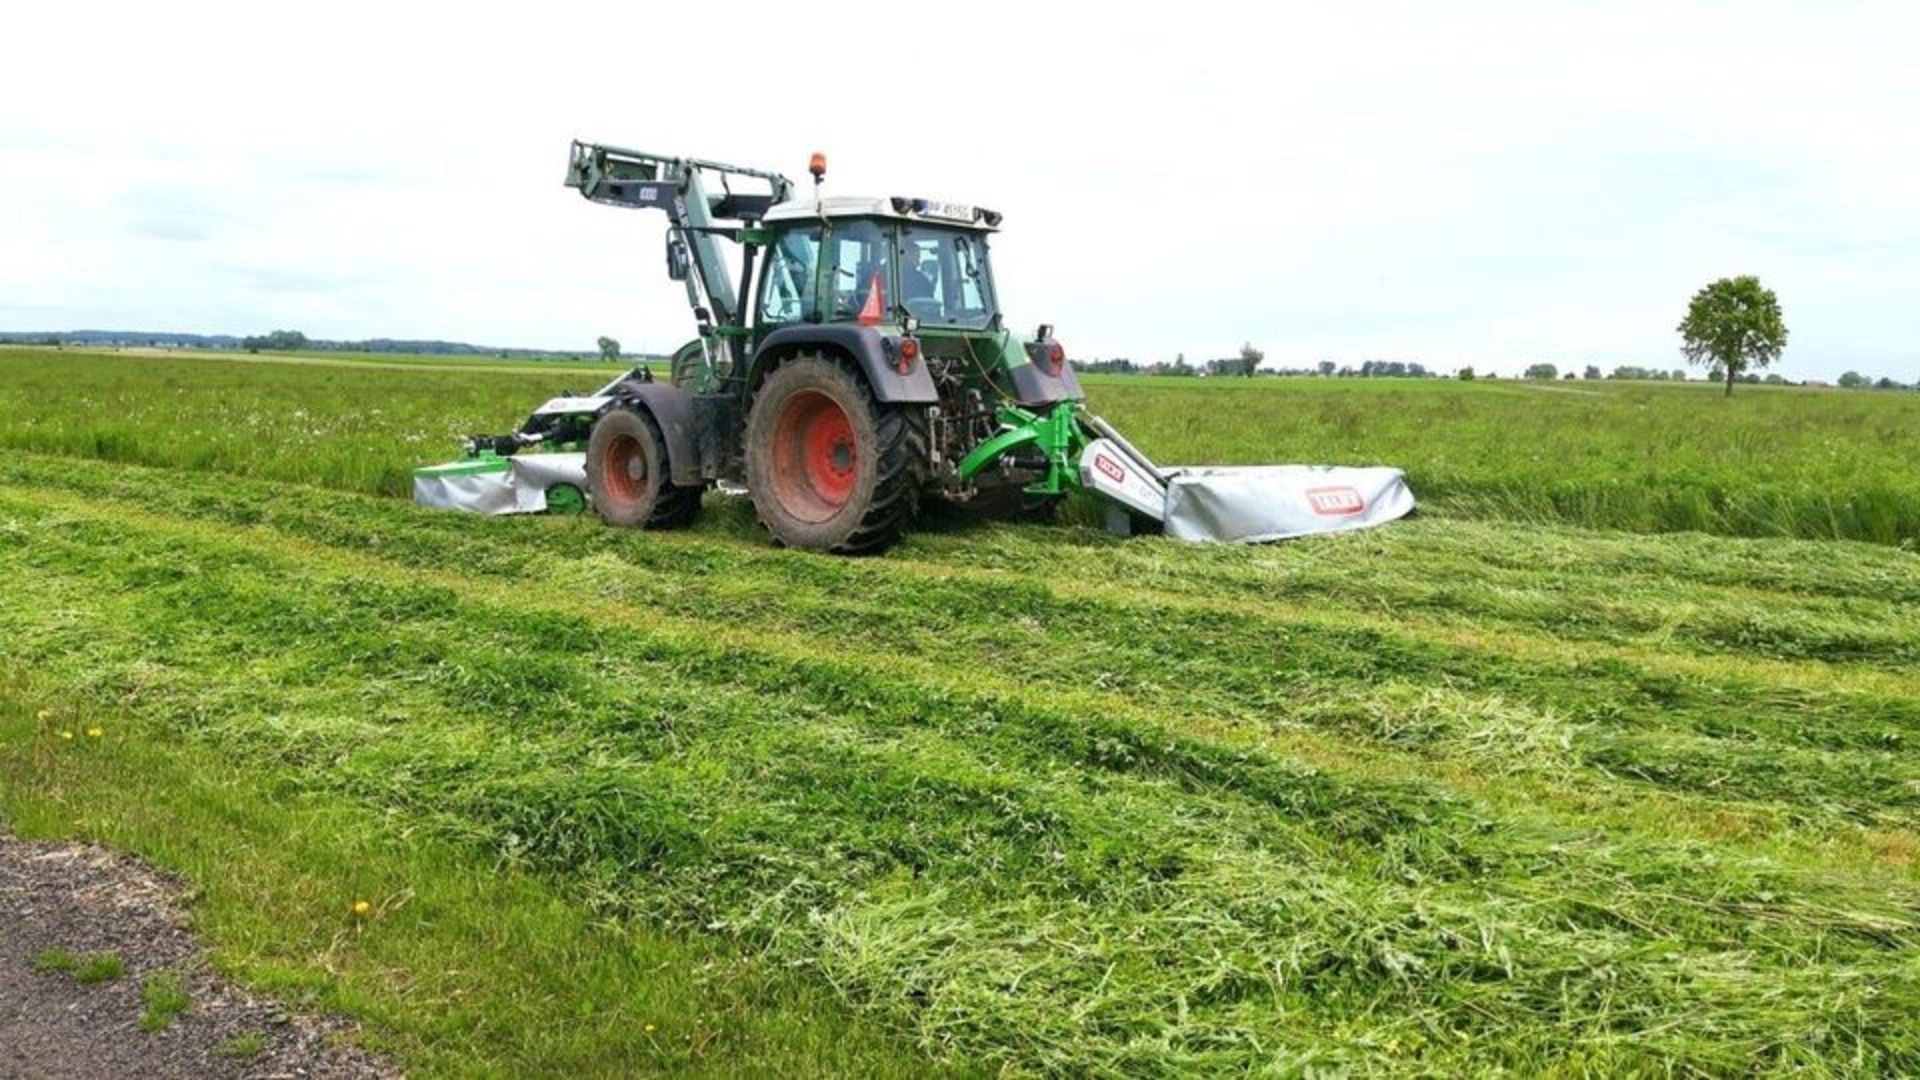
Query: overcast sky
[[1495, 185]]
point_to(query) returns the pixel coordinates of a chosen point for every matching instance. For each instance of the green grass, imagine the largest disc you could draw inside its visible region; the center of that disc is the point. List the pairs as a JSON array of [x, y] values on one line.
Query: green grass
[[1648, 457], [1645, 457], [87, 971], [163, 997], [243, 1047], [1456, 796], [1446, 797], [472, 968]]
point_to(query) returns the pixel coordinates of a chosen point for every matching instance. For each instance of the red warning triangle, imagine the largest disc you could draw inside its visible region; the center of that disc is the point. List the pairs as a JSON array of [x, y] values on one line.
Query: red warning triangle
[[875, 308]]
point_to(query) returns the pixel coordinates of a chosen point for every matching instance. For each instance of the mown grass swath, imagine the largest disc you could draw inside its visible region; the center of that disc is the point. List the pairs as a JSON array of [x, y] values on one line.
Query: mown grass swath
[[1645, 457], [1440, 798], [466, 967]]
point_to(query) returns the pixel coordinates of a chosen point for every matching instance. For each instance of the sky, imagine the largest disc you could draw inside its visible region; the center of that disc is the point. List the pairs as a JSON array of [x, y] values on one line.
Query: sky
[[1490, 184]]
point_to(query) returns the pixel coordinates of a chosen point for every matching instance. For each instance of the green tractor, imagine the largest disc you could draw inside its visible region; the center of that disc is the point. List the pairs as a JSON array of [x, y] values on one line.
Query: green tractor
[[850, 362]]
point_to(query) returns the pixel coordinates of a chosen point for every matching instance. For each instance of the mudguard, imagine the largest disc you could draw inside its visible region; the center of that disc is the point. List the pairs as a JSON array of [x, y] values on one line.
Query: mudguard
[[863, 343], [1034, 387], [672, 409]]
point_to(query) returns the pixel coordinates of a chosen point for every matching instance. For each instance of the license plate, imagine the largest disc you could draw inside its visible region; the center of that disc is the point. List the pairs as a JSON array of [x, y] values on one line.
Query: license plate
[[948, 211]]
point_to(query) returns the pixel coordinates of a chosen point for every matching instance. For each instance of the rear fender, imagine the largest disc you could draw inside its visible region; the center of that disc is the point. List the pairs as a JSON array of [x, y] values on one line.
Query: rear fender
[[863, 344]]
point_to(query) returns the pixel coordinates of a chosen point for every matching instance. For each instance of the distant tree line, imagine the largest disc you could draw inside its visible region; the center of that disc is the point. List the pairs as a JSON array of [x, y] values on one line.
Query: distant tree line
[[1629, 371], [278, 341], [1250, 363]]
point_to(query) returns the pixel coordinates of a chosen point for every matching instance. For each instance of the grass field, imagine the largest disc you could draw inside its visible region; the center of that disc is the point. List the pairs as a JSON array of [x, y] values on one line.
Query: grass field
[[1648, 457], [1456, 795]]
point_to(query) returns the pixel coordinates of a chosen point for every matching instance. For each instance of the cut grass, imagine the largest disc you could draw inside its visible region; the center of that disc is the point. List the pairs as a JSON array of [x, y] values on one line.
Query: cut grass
[[474, 967], [1291, 829], [1450, 797]]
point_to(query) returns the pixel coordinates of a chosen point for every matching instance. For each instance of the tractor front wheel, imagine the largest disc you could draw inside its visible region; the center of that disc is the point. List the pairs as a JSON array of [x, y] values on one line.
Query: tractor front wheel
[[628, 477], [830, 468]]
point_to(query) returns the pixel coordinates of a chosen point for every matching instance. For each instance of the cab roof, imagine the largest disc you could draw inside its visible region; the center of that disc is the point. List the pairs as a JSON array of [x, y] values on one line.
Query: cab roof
[[901, 208]]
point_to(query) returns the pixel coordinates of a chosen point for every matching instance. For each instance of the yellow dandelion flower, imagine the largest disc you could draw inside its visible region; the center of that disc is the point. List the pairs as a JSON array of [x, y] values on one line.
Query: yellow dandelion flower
[[649, 1027], [66, 734], [361, 907], [43, 715], [94, 733]]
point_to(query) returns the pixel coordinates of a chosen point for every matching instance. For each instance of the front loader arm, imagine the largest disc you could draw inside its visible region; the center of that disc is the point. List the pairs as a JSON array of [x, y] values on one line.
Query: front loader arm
[[616, 176]]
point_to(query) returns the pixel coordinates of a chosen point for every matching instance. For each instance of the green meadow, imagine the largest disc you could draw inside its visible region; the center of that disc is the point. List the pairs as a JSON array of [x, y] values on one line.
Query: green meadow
[[1603, 763], [1645, 457]]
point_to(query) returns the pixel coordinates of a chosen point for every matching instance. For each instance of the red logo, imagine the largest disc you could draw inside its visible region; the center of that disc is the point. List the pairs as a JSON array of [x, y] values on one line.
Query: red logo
[[1335, 501], [1114, 472]]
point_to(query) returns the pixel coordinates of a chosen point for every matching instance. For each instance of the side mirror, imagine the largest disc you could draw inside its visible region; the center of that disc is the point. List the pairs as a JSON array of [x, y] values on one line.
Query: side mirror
[[676, 258]]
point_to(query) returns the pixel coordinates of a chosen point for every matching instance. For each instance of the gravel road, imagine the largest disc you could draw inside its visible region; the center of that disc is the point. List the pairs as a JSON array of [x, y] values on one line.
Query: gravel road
[[82, 901]]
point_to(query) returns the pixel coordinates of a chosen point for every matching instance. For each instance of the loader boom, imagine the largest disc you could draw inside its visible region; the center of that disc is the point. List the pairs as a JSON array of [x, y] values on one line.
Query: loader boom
[[617, 176]]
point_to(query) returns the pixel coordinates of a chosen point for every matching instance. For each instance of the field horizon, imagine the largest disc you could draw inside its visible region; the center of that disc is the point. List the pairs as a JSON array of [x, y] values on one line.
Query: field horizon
[[1648, 457]]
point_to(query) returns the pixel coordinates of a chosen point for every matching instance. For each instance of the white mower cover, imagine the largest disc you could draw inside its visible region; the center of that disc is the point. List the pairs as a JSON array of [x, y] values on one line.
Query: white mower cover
[[517, 486], [1247, 504]]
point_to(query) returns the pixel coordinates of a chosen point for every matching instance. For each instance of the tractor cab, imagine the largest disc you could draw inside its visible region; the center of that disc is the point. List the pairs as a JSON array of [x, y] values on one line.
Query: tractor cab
[[916, 275], [879, 262]]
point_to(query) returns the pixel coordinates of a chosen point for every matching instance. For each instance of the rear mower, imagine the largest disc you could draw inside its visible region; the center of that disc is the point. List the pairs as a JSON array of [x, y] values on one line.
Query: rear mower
[[856, 363]]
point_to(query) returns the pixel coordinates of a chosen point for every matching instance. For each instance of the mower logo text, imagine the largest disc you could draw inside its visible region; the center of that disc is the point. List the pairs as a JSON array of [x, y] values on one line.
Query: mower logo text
[[1114, 472], [1335, 501]]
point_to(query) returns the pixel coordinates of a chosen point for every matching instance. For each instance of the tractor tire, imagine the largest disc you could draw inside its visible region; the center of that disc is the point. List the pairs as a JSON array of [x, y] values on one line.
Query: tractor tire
[[627, 476], [828, 467]]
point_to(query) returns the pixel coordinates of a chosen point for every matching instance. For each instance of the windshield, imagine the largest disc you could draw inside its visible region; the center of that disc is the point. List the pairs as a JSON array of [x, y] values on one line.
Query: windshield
[[944, 279]]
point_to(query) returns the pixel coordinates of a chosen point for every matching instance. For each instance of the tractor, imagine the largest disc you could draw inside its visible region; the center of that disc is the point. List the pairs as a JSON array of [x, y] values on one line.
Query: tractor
[[850, 363]]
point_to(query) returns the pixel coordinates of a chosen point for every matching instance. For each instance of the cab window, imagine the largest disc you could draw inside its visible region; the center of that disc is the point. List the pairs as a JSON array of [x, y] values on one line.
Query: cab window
[[860, 271], [943, 277], [787, 279]]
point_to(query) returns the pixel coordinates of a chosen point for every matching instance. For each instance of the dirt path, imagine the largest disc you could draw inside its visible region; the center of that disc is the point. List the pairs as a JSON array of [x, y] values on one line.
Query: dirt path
[[90, 940]]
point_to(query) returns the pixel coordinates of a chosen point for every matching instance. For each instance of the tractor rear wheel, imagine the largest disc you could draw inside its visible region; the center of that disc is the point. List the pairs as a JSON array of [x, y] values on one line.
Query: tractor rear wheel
[[830, 468], [628, 477]]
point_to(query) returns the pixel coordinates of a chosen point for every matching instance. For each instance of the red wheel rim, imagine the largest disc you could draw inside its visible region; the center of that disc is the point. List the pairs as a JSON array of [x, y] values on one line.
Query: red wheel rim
[[623, 469], [816, 459]]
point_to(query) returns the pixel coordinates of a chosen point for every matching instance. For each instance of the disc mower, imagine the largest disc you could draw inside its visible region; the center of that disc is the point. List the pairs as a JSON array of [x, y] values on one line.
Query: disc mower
[[851, 361]]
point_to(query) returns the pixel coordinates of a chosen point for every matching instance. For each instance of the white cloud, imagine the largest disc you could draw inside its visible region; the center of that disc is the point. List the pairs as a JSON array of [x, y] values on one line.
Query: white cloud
[[1485, 183]]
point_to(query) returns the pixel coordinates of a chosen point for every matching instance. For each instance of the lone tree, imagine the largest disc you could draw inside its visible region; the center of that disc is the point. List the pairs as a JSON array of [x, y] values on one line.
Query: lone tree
[[1731, 325], [609, 349], [1250, 358]]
